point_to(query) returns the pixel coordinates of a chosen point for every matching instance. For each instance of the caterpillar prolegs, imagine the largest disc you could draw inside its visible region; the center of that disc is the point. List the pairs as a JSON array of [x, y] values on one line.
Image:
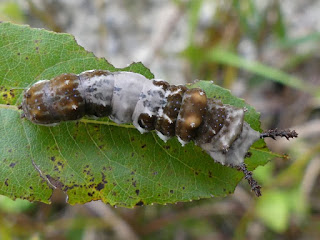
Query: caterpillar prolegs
[[127, 97]]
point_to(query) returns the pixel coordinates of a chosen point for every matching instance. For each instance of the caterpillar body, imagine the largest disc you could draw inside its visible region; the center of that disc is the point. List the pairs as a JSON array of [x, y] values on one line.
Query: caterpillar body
[[127, 97]]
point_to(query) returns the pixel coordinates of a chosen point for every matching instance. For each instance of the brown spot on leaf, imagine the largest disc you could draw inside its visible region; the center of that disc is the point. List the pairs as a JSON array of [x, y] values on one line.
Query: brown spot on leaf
[[134, 183], [144, 145], [104, 178], [12, 165], [100, 186], [6, 182], [137, 192], [171, 191], [140, 203], [55, 182]]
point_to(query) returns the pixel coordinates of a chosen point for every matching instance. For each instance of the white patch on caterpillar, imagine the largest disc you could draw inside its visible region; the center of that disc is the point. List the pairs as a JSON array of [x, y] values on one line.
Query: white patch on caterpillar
[[227, 134], [40, 81], [238, 149], [175, 92], [160, 112], [235, 119], [151, 101], [37, 83], [97, 89], [165, 116], [126, 92], [162, 137], [183, 143]]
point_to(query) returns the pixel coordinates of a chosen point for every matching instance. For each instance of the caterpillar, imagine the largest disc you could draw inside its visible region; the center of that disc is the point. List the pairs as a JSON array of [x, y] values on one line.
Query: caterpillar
[[127, 97]]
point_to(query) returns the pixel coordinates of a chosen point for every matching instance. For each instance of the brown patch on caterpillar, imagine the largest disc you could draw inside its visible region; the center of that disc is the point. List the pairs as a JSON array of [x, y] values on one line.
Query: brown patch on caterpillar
[[166, 123], [66, 100], [191, 114], [147, 122], [33, 105], [162, 84], [213, 121], [49, 102]]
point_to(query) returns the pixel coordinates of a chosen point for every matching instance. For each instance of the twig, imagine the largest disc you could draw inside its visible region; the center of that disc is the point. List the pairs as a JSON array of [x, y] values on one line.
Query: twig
[[122, 229], [310, 176], [224, 208], [273, 133], [255, 187]]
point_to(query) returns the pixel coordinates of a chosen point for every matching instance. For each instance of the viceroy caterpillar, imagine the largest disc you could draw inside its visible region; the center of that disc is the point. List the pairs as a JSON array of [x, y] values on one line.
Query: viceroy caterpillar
[[170, 110]]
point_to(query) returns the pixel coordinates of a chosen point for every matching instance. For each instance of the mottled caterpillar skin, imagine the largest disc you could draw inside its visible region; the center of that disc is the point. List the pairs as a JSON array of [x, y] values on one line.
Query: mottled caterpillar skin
[[127, 97]]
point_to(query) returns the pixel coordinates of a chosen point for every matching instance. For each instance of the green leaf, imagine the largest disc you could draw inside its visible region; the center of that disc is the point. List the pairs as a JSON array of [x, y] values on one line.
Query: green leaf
[[274, 210], [96, 159], [14, 206], [226, 57], [11, 11]]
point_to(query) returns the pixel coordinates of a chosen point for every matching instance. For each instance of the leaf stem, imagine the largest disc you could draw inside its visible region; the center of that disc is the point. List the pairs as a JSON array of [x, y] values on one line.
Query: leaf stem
[[12, 107], [109, 123]]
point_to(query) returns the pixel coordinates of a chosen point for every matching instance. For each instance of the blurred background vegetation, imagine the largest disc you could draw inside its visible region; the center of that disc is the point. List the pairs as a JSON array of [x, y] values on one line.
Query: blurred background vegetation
[[266, 52]]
